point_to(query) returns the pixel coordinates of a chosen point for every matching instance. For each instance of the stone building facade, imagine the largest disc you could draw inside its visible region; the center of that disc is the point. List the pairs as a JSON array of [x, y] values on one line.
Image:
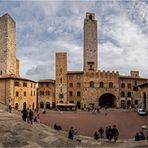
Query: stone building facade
[[46, 94], [93, 88], [14, 90]]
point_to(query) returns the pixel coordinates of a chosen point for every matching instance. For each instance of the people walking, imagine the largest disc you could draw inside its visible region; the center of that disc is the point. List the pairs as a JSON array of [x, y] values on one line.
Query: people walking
[[96, 135], [101, 131], [71, 133], [24, 114], [115, 133], [31, 116], [10, 108], [109, 133], [28, 118]]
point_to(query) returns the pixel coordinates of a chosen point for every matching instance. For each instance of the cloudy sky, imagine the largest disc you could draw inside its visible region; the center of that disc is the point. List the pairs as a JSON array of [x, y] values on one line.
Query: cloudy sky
[[46, 27]]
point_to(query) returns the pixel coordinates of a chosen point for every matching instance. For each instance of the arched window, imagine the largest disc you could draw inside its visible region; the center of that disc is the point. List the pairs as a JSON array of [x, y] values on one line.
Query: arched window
[[91, 84], [110, 84], [129, 94], [122, 85], [70, 93], [42, 93], [24, 93], [46, 93], [60, 80], [78, 93], [90, 17], [122, 94], [70, 84], [78, 84], [17, 93], [101, 84]]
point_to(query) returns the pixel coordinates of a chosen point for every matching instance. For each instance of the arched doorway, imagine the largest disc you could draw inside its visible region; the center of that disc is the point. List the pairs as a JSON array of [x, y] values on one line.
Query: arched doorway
[[107, 100], [16, 106], [47, 105], [144, 100], [78, 104], [41, 105], [129, 103]]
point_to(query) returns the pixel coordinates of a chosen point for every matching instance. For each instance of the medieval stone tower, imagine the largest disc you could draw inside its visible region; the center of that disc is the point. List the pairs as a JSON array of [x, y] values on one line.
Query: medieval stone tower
[[8, 46], [90, 42], [61, 78]]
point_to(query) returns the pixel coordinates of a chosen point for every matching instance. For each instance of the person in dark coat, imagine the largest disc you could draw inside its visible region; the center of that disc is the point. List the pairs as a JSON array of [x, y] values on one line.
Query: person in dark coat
[[71, 133], [109, 133], [31, 116], [24, 114], [101, 131], [115, 133], [96, 135], [137, 137]]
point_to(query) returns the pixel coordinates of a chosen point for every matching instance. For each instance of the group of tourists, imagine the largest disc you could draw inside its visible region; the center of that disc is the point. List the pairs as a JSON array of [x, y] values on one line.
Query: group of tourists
[[72, 133], [110, 133], [139, 136], [57, 127], [27, 116]]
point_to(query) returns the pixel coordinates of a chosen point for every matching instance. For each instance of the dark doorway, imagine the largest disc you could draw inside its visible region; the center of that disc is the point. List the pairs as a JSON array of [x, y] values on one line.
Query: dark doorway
[[78, 104], [128, 103], [122, 104], [107, 100], [16, 106], [144, 100], [41, 105], [47, 105]]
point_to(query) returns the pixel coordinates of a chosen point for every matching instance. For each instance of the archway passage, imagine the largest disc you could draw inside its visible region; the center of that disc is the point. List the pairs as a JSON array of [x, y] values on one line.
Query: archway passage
[[107, 100]]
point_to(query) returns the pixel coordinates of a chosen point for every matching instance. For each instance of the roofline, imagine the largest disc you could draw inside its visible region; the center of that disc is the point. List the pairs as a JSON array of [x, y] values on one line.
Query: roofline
[[46, 80], [129, 77], [16, 78], [143, 85], [75, 72]]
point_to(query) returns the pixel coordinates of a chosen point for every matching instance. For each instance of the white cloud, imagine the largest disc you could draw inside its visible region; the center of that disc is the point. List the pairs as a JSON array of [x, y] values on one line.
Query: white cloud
[[46, 27]]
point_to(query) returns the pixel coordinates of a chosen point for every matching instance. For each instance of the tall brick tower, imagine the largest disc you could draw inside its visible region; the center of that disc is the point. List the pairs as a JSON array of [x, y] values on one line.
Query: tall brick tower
[[7, 45], [90, 42], [61, 78]]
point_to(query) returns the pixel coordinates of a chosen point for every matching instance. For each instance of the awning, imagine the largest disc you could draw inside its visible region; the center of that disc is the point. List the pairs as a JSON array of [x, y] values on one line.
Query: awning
[[69, 104]]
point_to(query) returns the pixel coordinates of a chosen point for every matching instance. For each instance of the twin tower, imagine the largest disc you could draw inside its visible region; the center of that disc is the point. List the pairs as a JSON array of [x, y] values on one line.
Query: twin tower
[[9, 64], [90, 45], [90, 59]]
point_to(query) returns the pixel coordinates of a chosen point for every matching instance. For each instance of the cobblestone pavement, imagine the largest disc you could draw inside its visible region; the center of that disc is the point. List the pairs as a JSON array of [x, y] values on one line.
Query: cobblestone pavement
[[127, 121], [16, 133]]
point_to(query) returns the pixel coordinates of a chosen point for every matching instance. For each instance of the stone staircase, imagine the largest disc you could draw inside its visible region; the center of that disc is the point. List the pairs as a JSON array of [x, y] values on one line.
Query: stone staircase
[[16, 133]]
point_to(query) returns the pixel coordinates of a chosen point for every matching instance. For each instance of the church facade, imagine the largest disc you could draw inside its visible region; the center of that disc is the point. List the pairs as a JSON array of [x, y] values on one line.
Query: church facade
[[93, 88]]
